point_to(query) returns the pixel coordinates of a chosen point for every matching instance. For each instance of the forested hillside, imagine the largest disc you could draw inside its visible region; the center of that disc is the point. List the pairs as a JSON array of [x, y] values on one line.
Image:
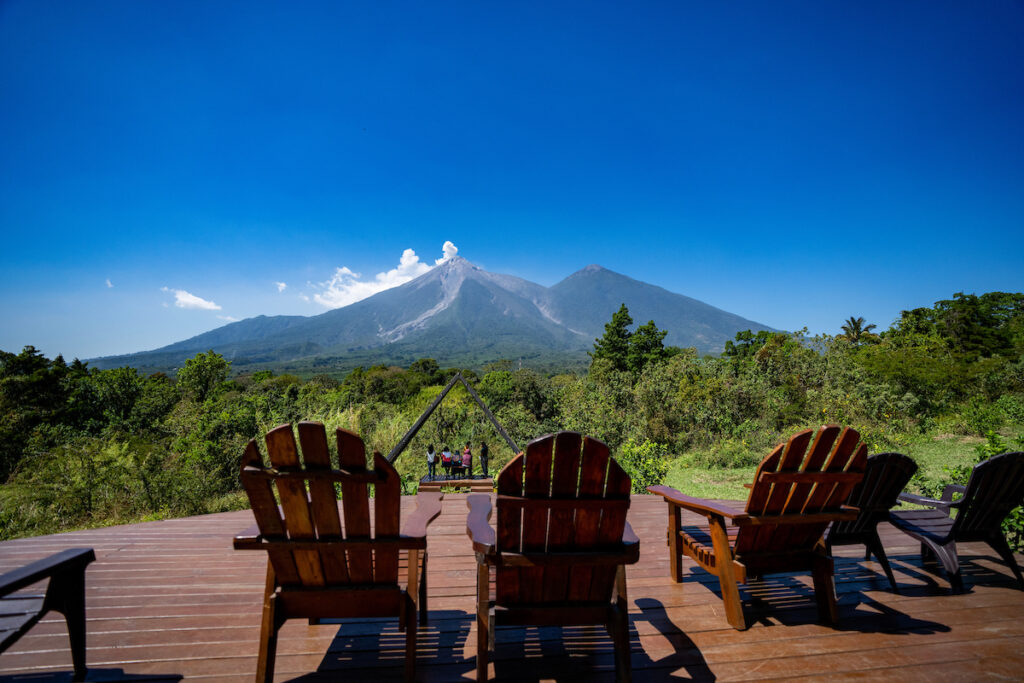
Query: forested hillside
[[83, 447]]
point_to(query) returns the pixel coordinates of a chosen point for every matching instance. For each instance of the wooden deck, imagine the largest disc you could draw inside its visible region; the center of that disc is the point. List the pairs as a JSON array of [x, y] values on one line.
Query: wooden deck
[[170, 600]]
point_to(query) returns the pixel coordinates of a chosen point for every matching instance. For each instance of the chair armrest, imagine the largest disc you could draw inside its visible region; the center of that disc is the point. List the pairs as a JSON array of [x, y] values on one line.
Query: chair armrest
[[629, 537], [701, 506], [950, 489], [428, 507], [65, 560], [478, 526], [930, 502]]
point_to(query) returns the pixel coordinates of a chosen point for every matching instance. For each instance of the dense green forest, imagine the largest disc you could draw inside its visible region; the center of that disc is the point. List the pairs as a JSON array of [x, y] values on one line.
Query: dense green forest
[[87, 447]]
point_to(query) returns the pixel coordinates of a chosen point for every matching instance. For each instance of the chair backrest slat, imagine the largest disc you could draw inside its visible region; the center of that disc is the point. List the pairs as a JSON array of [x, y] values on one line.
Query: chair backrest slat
[[268, 516], [298, 518], [323, 500], [593, 469], [565, 473], [509, 529], [355, 502], [387, 502]]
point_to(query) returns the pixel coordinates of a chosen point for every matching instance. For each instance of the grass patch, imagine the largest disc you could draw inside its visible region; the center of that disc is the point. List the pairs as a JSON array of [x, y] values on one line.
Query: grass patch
[[709, 482]]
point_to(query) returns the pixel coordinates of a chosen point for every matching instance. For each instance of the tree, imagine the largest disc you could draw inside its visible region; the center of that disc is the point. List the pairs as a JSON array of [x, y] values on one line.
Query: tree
[[856, 331], [202, 374], [646, 345], [614, 344]]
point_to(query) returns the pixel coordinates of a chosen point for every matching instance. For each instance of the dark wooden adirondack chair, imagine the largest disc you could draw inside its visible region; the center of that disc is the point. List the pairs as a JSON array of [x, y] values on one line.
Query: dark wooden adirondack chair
[[315, 569], [996, 487], [561, 545], [885, 477], [797, 492], [65, 593]]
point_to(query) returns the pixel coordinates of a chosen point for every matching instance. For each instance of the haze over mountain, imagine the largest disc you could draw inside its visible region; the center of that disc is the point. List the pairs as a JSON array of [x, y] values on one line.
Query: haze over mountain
[[458, 314]]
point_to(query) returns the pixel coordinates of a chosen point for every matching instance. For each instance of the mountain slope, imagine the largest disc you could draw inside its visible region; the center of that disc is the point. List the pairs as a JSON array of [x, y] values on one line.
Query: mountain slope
[[457, 313], [586, 300]]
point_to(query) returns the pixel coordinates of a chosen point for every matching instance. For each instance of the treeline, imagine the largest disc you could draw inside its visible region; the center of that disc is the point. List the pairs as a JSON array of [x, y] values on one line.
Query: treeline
[[81, 446]]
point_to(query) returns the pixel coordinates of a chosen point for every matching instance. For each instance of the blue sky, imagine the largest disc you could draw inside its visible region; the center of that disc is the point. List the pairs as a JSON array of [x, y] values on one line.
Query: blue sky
[[794, 163]]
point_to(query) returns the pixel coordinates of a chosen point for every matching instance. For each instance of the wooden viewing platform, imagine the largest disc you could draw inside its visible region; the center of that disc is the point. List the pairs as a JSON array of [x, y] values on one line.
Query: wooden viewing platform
[[474, 484], [169, 600]]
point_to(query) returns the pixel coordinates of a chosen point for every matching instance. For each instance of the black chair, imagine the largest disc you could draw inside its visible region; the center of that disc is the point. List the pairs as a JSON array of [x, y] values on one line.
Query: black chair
[[885, 477], [995, 488], [65, 594]]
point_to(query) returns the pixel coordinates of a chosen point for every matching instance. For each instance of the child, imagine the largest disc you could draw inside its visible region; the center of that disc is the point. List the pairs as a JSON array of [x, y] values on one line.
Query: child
[[467, 460], [446, 461], [431, 461]]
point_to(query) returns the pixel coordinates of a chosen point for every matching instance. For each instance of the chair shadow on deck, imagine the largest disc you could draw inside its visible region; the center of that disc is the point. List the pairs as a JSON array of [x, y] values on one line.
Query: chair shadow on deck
[[375, 650], [984, 569], [572, 653], [784, 600]]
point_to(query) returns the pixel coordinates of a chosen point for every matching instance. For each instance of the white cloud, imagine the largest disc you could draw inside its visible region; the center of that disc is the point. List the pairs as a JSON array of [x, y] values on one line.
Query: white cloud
[[281, 286], [450, 250], [346, 287], [229, 318], [109, 285], [183, 299]]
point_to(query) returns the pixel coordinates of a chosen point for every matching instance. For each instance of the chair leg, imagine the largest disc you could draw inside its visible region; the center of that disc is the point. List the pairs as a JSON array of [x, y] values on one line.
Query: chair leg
[[483, 622], [726, 577], [675, 553], [875, 547], [410, 639], [618, 629], [947, 556], [268, 641], [423, 592], [66, 594], [999, 544], [825, 589]]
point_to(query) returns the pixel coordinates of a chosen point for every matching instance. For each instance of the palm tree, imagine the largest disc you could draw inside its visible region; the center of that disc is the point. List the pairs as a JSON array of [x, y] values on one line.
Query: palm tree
[[856, 331]]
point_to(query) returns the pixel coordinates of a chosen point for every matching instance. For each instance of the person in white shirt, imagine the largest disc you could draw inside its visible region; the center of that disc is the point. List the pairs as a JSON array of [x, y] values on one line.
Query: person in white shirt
[[431, 461]]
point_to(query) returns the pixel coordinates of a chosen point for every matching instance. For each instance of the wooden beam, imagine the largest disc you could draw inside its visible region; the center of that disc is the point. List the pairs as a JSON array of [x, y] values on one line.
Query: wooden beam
[[397, 450], [490, 415]]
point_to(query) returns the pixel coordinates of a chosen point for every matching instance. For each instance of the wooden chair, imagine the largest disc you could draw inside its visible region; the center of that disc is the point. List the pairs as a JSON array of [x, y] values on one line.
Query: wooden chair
[[797, 492], [65, 593], [561, 545], [995, 488], [313, 570], [885, 477]]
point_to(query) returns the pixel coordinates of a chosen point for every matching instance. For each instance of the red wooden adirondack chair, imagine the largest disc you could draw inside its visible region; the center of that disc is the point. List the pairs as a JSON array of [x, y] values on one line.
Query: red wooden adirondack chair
[[796, 493], [319, 566], [561, 545]]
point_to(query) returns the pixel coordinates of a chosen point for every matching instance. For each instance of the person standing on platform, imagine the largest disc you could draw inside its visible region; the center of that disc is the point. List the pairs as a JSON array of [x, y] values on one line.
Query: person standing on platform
[[484, 453], [431, 462], [467, 461]]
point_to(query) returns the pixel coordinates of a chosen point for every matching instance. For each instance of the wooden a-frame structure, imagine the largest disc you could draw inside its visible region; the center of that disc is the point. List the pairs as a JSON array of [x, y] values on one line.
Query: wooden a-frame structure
[[404, 442]]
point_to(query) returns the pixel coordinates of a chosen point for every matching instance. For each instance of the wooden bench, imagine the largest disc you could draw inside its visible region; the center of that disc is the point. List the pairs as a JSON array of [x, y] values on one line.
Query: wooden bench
[[65, 594]]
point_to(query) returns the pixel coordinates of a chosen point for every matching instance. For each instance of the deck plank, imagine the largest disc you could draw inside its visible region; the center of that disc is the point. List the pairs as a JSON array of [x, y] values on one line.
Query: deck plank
[[170, 599]]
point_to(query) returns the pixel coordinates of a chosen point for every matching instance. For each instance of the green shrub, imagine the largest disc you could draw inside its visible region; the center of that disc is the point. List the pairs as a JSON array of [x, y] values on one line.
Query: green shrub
[[646, 463]]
